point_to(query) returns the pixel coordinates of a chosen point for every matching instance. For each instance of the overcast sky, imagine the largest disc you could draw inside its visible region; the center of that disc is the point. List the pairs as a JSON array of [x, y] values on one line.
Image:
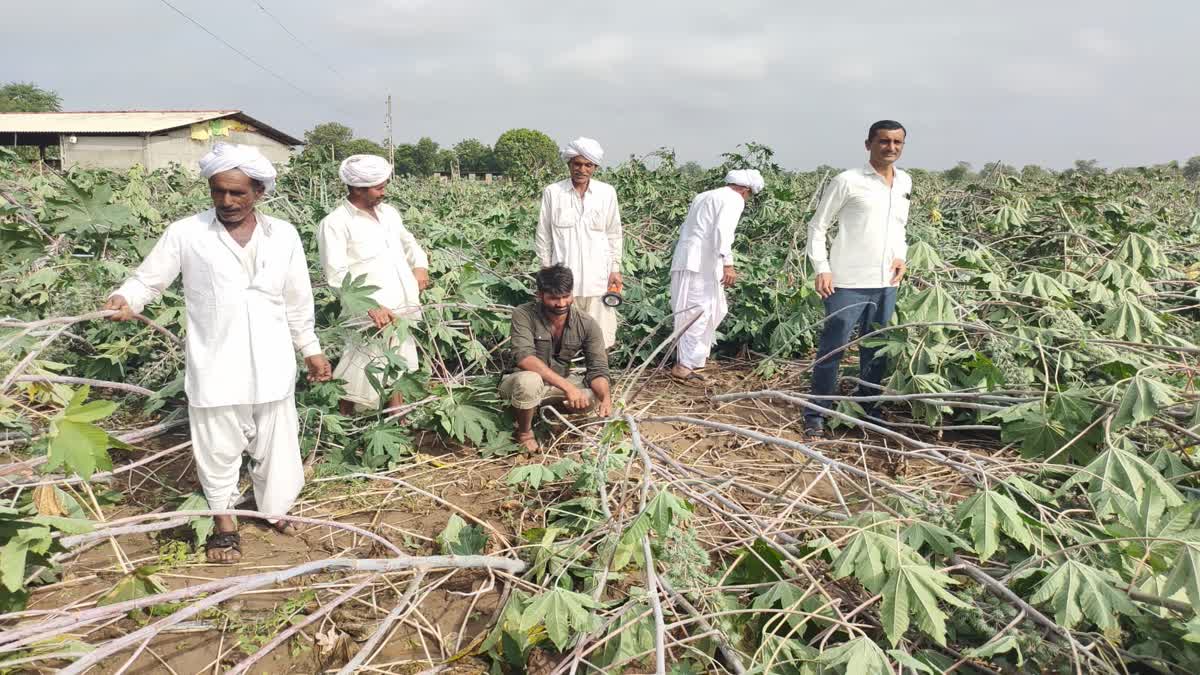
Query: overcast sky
[[1044, 82]]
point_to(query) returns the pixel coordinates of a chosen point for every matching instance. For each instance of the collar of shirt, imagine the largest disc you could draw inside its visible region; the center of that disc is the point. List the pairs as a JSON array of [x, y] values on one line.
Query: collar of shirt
[[870, 172], [355, 211], [568, 186]]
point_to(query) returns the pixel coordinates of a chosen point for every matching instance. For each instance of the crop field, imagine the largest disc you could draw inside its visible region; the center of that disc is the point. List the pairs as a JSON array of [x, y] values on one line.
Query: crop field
[[1031, 506]]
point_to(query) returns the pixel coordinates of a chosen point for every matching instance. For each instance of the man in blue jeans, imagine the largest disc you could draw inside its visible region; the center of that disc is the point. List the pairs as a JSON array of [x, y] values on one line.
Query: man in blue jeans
[[858, 276]]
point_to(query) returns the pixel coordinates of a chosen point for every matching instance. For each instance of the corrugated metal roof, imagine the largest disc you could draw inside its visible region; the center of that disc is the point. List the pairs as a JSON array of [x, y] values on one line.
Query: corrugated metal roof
[[125, 122]]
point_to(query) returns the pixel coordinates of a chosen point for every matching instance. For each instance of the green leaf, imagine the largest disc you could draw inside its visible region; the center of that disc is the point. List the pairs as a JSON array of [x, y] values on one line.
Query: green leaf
[[1119, 475], [663, 510], [458, 538], [202, 526], [989, 513], [384, 444], [75, 442], [561, 611], [1044, 286], [1003, 645], [920, 534], [913, 590], [1129, 320], [531, 475], [1185, 574], [354, 295], [859, 656], [932, 305], [1076, 591], [1143, 398], [140, 583]]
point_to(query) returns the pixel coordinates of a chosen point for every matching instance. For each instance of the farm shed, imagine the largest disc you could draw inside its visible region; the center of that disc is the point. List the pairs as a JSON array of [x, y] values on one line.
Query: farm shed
[[151, 138]]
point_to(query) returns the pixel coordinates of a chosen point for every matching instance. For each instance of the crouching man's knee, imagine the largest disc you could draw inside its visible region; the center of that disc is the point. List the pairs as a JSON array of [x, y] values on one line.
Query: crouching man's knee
[[523, 389]]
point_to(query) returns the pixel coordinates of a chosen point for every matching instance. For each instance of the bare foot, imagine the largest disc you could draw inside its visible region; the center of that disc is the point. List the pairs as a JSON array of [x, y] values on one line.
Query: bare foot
[[680, 372], [526, 440], [224, 547]]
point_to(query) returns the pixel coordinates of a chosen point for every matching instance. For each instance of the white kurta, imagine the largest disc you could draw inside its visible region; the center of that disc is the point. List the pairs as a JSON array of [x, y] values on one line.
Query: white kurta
[[247, 308], [241, 327], [705, 247], [353, 243], [585, 235], [871, 220]]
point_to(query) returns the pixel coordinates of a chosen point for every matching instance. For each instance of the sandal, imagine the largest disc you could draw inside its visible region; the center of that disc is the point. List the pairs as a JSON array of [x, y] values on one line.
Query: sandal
[[224, 541], [690, 378]]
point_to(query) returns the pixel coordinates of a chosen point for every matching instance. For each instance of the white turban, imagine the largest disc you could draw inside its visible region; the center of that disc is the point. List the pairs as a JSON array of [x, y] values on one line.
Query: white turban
[[245, 158], [364, 170], [589, 148], [750, 178]]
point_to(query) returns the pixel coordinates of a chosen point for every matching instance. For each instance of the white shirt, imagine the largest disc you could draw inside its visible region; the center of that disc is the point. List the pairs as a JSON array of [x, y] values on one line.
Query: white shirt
[[351, 242], [583, 234], [871, 219], [239, 325], [706, 237]]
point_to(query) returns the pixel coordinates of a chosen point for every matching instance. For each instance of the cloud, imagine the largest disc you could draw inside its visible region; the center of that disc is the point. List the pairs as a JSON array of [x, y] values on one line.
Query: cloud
[[711, 59], [604, 57], [1097, 42], [1055, 80], [512, 68]]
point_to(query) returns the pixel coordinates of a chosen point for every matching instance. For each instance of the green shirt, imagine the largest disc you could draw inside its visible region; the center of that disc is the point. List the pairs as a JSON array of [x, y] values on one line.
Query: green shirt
[[532, 335]]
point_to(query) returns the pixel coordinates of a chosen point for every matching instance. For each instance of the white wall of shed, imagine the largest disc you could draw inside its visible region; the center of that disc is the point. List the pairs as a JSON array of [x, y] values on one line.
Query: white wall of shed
[[178, 146], [103, 152]]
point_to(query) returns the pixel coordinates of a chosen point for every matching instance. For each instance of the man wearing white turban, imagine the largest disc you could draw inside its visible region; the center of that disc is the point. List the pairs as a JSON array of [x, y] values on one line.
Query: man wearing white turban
[[249, 303], [580, 228], [702, 268], [364, 236]]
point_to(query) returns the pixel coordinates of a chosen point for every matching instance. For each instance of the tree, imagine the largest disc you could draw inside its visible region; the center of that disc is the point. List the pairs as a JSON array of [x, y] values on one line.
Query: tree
[[1191, 169], [525, 151], [474, 157], [28, 97], [692, 169], [1088, 167], [961, 171]]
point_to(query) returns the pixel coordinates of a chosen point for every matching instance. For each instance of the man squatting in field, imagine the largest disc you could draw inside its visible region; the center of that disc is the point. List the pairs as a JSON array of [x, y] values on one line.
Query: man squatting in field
[[249, 302], [364, 236], [858, 278], [580, 227], [547, 335], [703, 267]]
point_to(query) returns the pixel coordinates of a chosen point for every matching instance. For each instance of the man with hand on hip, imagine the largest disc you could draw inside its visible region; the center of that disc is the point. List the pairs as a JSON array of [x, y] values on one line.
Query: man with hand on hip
[[858, 276]]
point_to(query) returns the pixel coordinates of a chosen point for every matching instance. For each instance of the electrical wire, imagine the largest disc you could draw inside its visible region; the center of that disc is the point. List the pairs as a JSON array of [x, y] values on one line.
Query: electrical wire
[[302, 43], [241, 53]]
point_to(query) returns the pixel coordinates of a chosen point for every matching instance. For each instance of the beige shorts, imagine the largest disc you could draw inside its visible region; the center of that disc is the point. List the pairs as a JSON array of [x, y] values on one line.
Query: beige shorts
[[525, 390]]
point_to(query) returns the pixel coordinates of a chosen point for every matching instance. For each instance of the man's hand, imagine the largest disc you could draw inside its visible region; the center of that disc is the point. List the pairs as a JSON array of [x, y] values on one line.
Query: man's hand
[[614, 279], [898, 269], [824, 284], [577, 399], [319, 369], [382, 316], [604, 407], [121, 305], [422, 276], [729, 276]]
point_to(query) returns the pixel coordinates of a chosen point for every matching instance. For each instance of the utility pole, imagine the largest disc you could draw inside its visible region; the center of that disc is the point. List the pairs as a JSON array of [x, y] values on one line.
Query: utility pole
[[387, 123]]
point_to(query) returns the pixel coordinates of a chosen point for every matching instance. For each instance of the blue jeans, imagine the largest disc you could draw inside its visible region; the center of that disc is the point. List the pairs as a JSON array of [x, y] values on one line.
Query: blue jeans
[[848, 308]]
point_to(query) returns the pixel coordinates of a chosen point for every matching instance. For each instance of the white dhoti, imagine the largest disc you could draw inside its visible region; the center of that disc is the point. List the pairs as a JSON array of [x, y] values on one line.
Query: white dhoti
[[352, 367], [705, 295], [604, 315], [269, 433]]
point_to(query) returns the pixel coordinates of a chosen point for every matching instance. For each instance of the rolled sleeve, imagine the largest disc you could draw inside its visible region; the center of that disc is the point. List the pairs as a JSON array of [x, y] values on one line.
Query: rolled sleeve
[[827, 211], [594, 353], [521, 335]]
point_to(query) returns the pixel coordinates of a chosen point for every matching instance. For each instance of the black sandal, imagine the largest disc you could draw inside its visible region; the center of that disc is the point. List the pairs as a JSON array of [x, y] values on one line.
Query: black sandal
[[224, 541]]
